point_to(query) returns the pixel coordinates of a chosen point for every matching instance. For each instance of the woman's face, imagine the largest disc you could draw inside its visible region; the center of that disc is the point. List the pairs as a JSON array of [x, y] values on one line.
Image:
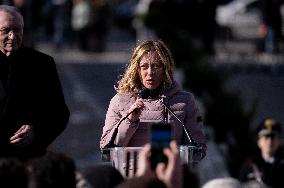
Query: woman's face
[[151, 70]]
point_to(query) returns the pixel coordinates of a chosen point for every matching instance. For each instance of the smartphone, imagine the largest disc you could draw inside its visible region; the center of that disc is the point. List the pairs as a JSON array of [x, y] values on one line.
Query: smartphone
[[161, 136]]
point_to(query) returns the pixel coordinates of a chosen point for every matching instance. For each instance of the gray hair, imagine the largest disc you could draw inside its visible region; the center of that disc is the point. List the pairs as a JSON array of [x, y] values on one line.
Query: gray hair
[[14, 11]]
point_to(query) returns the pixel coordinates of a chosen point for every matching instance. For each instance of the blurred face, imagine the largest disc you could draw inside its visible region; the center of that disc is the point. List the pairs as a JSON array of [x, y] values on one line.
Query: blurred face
[[11, 33], [268, 144], [151, 70]]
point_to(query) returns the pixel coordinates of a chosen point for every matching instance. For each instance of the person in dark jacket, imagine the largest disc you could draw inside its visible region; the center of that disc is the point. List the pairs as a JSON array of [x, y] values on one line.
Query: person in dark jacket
[[267, 165], [32, 106], [271, 27]]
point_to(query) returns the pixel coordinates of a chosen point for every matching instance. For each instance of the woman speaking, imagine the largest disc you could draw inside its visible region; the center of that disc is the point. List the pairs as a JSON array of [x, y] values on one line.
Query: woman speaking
[[147, 94]]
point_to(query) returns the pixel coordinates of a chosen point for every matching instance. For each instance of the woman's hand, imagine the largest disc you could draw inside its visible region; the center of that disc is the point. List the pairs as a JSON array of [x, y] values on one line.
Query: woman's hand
[[136, 108]]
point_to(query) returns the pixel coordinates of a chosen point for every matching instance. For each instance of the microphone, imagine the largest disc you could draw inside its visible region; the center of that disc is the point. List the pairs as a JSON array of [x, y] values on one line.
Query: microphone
[[152, 93], [188, 135], [111, 143], [106, 150], [146, 93]]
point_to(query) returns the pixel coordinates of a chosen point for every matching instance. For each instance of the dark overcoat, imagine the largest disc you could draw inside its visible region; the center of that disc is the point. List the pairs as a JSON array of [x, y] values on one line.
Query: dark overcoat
[[32, 95]]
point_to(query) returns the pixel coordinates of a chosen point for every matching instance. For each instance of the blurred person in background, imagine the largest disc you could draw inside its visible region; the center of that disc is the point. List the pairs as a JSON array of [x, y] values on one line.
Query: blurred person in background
[[101, 24], [102, 176], [55, 170], [13, 173], [208, 24], [267, 164], [81, 21], [271, 28], [61, 10], [143, 92], [32, 105]]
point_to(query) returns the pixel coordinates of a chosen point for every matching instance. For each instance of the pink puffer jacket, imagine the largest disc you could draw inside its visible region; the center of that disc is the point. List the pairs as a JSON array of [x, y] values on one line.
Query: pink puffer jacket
[[134, 135]]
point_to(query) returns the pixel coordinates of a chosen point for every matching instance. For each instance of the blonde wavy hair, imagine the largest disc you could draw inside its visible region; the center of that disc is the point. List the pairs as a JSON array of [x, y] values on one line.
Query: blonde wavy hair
[[130, 81]]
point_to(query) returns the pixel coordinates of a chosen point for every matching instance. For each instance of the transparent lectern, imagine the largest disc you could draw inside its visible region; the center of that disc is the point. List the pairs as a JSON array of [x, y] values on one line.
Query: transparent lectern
[[125, 159]]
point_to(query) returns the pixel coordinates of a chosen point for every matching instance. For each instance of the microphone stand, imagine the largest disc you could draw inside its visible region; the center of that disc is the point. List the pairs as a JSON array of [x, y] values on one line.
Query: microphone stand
[[188, 135], [193, 154], [151, 93], [111, 144]]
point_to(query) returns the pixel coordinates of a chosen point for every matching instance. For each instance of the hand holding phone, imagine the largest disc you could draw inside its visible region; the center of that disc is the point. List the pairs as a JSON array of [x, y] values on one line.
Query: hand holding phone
[[161, 136], [170, 173]]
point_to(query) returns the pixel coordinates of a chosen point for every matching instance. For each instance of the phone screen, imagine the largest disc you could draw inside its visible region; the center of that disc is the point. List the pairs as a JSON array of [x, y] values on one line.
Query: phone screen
[[161, 136]]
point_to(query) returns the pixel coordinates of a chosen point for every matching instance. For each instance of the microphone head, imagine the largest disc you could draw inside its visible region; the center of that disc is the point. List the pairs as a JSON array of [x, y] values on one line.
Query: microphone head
[[145, 93], [150, 93]]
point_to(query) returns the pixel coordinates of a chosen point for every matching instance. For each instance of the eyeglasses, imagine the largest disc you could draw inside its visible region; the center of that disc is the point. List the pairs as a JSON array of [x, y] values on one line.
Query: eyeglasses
[[7, 30]]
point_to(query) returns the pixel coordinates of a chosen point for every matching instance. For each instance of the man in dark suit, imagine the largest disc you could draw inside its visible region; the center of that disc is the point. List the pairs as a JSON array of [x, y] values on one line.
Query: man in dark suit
[[32, 106]]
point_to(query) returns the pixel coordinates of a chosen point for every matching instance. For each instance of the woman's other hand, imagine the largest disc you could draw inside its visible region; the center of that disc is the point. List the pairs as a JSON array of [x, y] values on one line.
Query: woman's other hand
[[135, 108]]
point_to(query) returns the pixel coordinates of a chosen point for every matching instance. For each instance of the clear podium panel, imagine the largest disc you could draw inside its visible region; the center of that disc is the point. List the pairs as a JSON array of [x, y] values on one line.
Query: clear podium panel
[[125, 159], [190, 154]]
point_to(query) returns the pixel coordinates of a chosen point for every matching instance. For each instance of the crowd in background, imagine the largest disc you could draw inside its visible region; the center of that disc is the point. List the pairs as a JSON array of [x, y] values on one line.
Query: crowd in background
[[85, 24], [79, 23], [55, 169]]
